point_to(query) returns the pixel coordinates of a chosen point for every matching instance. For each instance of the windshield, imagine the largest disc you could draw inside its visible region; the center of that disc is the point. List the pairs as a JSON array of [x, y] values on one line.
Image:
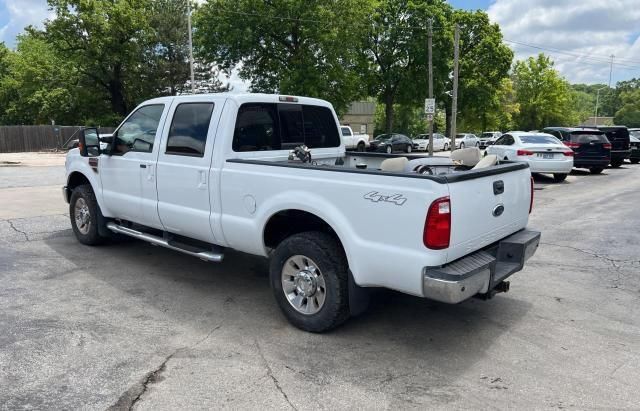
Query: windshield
[[487, 135], [383, 137], [539, 140]]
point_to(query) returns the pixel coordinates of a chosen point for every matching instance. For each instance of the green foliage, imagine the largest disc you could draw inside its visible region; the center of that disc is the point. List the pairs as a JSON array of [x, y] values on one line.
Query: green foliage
[[629, 113], [484, 65], [288, 47], [543, 96]]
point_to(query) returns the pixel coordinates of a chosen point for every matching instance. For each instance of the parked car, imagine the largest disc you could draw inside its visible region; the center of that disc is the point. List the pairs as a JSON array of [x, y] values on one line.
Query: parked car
[[618, 136], [488, 137], [421, 142], [466, 140], [352, 141], [634, 145], [163, 180], [544, 153], [390, 143], [590, 146]]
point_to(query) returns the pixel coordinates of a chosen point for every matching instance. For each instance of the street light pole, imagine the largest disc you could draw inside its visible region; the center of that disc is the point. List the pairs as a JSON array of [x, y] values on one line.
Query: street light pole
[[193, 84], [595, 121]]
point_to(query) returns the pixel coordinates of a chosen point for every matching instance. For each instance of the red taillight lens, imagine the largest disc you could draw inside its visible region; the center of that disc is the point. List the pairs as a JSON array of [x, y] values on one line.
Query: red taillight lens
[[572, 145], [607, 146], [531, 199], [524, 152], [437, 227], [568, 153]]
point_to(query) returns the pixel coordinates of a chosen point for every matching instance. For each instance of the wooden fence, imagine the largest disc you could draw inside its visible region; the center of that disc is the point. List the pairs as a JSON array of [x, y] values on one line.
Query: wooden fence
[[16, 139]]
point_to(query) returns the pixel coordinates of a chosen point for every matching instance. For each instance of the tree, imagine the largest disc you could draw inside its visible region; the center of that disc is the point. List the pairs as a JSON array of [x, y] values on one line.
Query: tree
[[396, 49], [629, 113], [484, 65], [281, 46], [542, 94]]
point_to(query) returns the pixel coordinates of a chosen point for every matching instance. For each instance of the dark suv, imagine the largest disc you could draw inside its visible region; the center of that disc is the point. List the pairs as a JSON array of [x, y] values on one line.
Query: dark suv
[[591, 148], [620, 148], [634, 157]]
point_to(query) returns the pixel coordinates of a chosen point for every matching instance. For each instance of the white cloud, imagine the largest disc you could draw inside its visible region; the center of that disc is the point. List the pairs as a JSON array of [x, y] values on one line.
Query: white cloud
[[582, 33], [22, 13]]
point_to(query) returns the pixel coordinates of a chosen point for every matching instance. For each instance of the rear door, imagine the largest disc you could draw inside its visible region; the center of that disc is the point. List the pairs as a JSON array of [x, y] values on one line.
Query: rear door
[[183, 167], [487, 209], [590, 145]]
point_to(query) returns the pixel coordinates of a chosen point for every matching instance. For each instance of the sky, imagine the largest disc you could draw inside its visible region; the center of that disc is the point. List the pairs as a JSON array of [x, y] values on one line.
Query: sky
[[579, 35]]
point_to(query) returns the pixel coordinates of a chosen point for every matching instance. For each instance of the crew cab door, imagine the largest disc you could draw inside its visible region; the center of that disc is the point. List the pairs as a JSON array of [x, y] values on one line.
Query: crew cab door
[[184, 163], [127, 173]]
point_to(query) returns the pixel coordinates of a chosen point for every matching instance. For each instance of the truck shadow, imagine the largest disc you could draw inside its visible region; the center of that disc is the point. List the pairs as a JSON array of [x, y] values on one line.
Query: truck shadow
[[400, 337]]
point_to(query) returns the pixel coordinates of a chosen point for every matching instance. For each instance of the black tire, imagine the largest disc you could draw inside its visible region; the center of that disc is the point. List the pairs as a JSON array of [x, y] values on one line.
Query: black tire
[[596, 170], [616, 163], [86, 234], [634, 160], [558, 178], [325, 251], [389, 149], [360, 146]]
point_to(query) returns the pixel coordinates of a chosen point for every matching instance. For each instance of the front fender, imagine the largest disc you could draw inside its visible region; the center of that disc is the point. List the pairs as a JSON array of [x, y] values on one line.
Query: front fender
[[77, 164]]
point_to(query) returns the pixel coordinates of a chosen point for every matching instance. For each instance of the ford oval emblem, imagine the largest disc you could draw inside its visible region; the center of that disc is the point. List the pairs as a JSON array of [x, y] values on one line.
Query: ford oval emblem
[[498, 210]]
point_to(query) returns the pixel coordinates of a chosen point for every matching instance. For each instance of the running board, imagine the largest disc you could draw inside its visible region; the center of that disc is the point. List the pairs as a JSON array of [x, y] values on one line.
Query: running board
[[213, 256]]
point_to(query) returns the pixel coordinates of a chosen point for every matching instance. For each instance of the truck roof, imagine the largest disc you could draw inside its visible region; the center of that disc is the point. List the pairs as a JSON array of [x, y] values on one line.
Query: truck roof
[[241, 98]]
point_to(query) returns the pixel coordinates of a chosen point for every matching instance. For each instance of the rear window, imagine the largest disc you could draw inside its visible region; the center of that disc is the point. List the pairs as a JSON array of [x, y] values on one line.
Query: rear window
[[615, 134], [539, 140], [269, 126], [585, 138]]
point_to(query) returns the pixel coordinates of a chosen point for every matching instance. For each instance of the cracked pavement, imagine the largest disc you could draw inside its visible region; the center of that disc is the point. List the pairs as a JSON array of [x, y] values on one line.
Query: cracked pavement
[[131, 326]]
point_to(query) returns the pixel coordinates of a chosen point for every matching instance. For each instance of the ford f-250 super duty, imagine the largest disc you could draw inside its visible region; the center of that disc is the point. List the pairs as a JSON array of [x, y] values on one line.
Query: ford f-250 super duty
[[268, 175]]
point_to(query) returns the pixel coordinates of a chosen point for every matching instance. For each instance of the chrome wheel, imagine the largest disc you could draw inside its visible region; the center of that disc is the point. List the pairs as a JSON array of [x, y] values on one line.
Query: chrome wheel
[[82, 216], [303, 284]]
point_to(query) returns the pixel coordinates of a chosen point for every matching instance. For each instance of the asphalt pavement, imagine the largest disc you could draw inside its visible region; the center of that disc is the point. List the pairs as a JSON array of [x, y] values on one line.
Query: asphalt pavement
[[128, 325]]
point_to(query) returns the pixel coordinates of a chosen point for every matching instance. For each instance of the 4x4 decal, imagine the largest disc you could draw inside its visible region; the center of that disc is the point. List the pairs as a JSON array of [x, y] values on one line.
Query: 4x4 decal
[[376, 197]]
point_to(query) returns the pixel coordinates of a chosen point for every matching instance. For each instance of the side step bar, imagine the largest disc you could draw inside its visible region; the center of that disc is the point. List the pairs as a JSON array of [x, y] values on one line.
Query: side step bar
[[213, 256]]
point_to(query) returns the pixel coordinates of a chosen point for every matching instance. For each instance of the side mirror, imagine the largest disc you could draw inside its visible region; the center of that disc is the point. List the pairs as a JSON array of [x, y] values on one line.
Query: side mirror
[[89, 143]]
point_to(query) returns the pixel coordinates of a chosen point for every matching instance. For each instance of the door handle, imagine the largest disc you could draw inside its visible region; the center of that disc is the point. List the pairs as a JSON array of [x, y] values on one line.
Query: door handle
[[143, 166], [202, 179]]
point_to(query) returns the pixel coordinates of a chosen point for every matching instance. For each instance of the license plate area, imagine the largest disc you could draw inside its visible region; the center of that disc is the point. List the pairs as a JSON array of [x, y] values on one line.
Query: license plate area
[[545, 156]]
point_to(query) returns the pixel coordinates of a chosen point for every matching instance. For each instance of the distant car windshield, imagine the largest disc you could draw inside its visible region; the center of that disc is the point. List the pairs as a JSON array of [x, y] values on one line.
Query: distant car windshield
[[635, 133], [539, 140], [460, 135], [487, 135]]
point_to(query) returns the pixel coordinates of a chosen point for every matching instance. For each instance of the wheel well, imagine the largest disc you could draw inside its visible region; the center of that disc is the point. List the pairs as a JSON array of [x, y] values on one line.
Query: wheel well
[[76, 179], [288, 222]]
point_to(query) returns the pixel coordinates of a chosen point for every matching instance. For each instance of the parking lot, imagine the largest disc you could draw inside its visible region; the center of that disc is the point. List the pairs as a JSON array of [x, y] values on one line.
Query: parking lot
[[131, 325]]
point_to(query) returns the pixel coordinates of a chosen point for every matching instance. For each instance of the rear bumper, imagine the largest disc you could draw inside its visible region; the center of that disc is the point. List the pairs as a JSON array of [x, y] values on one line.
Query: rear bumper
[[480, 272], [551, 166], [591, 162]]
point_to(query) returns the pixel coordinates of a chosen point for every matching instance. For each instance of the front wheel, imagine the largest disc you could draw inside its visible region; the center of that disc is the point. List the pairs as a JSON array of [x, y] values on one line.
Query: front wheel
[[389, 149], [83, 211], [409, 148], [477, 144], [446, 147], [461, 146], [309, 279], [595, 170], [559, 177]]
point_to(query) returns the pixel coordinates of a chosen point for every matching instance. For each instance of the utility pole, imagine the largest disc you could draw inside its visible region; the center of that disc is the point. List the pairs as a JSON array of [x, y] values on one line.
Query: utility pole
[[454, 97], [193, 84], [611, 70], [429, 47]]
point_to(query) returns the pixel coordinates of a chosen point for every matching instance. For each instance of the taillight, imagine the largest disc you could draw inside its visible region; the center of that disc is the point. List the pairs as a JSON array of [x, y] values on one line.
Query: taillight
[[568, 153], [572, 145], [437, 226], [525, 153], [531, 199], [607, 146]]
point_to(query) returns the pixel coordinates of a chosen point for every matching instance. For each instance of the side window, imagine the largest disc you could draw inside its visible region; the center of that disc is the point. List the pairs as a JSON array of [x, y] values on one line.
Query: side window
[[319, 127], [138, 132], [189, 127], [508, 141], [346, 132], [500, 141], [257, 128]]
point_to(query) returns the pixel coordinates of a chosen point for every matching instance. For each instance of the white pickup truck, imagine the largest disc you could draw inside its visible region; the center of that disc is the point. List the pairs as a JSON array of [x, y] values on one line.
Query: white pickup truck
[[353, 141], [268, 175]]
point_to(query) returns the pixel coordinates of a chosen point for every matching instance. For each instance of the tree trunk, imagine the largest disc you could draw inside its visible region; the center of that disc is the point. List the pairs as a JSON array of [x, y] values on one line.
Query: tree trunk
[[388, 111], [116, 91]]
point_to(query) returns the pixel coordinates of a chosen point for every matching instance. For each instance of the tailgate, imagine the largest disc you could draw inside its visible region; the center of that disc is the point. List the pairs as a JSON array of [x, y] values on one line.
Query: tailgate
[[487, 207]]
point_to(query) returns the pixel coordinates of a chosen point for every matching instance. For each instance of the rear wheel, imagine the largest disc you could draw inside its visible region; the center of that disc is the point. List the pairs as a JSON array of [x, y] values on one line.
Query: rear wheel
[[559, 177], [446, 147], [389, 150], [309, 279], [360, 146], [595, 170], [409, 148], [616, 163], [635, 160], [83, 211]]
